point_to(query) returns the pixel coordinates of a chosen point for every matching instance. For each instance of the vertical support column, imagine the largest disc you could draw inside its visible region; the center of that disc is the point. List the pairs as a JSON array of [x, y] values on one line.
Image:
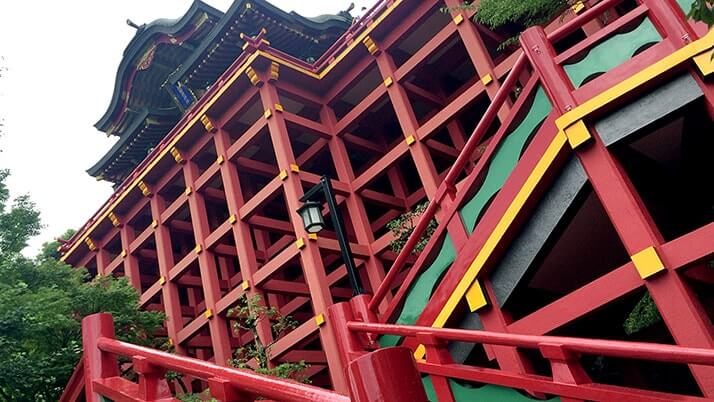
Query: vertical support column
[[681, 310], [241, 230], [131, 263], [97, 364], [355, 206], [165, 256], [207, 264], [102, 261], [310, 257]]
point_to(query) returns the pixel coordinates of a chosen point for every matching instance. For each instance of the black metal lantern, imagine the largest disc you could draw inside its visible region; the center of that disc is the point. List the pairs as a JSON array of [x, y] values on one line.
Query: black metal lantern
[[311, 214]]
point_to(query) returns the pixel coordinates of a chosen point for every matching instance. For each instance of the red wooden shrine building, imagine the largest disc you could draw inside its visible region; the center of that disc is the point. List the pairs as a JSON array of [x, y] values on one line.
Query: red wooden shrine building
[[570, 175]]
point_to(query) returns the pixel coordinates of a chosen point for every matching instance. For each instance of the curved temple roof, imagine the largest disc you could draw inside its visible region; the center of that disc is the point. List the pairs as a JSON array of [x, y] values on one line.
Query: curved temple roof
[[170, 63]]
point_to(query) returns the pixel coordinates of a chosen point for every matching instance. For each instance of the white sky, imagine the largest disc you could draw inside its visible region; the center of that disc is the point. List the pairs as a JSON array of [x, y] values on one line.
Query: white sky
[[58, 62]]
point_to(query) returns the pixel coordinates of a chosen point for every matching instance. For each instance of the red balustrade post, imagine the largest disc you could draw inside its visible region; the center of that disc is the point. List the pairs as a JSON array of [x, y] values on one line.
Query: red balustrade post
[[348, 342], [362, 312], [222, 390], [565, 366], [389, 374], [437, 353], [152, 383], [97, 364]]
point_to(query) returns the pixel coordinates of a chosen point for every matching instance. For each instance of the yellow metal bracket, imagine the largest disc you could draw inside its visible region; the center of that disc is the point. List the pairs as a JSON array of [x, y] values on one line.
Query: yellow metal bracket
[[371, 46], [475, 297], [577, 134], [300, 243], [114, 219], [245, 285], [208, 124], [320, 319], [486, 79], [647, 262], [705, 63], [458, 19], [410, 139]]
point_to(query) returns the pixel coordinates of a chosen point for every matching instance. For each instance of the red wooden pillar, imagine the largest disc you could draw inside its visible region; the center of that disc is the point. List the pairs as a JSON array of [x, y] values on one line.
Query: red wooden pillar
[[131, 263], [310, 257], [355, 206], [97, 364], [165, 257], [102, 261], [681, 310], [207, 264], [241, 230]]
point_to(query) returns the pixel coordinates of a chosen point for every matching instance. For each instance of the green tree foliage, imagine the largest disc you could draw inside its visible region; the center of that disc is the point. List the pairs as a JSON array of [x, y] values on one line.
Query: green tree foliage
[[256, 355], [521, 14], [42, 303], [403, 226]]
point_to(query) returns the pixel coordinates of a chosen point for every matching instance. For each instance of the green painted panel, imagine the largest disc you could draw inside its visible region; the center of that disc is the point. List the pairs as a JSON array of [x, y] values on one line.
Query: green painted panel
[[505, 159], [686, 5], [501, 166], [612, 52], [486, 393], [421, 290]]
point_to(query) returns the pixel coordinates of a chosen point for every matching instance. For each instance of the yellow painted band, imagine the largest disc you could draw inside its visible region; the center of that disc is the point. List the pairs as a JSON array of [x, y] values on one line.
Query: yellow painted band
[[637, 80], [506, 220]]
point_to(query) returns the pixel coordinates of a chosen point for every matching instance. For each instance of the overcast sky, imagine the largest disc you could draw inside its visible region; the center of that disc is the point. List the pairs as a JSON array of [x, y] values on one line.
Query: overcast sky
[[58, 62]]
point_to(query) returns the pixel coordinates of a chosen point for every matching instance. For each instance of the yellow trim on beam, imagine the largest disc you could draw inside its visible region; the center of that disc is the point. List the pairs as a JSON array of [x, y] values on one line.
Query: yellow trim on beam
[[279, 107], [458, 19], [198, 249], [312, 236], [388, 82], [232, 219], [188, 190], [267, 113], [598, 102], [208, 313], [123, 253], [144, 188], [294, 168], [220, 159], [647, 262], [90, 244], [154, 224], [162, 280], [499, 231], [283, 174], [410, 139], [245, 285], [486, 79], [578, 7]]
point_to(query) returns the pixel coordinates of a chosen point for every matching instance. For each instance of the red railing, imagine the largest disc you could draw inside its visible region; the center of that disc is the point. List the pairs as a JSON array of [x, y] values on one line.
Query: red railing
[[101, 373], [376, 376], [568, 380]]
